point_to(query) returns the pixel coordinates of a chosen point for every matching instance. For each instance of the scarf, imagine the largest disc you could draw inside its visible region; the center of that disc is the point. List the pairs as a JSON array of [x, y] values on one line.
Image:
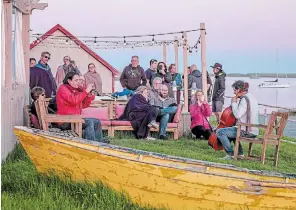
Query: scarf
[[94, 78], [43, 66]]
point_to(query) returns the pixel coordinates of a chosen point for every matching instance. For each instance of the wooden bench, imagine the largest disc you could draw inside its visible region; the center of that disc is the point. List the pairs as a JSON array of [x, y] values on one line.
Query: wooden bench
[[100, 110], [273, 133], [105, 111], [118, 125], [45, 118]]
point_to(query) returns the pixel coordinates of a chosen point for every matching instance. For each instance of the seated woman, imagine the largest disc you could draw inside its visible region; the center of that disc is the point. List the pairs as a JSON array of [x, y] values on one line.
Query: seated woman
[[141, 114], [199, 111], [71, 99], [93, 77], [52, 108]]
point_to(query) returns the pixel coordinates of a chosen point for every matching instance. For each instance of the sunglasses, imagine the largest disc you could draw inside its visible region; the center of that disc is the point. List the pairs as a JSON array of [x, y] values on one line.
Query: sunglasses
[[47, 57]]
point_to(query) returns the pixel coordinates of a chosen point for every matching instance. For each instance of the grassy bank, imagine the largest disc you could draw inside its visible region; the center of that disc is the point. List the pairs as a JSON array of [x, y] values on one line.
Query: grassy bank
[[199, 149], [23, 188]]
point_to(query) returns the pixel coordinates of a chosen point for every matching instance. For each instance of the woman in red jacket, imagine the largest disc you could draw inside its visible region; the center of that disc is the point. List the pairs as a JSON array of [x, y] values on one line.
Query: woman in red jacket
[[199, 111], [71, 99]]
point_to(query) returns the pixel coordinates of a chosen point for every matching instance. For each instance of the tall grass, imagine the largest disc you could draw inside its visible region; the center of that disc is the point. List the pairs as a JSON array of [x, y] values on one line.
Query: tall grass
[[23, 188]]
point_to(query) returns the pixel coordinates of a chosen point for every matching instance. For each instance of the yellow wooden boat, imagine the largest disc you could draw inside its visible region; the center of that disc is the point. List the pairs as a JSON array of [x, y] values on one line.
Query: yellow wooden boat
[[157, 179]]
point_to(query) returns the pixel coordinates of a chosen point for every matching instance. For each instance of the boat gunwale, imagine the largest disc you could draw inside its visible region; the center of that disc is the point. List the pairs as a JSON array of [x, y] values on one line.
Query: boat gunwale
[[53, 135]]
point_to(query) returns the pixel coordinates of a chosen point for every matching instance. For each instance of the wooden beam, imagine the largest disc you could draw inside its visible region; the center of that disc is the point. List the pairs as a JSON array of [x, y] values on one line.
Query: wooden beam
[[26, 6], [203, 60], [26, 43], [185, 107], [164, 53], [8, 43], [176, 47], [39, 6], [23, 6]]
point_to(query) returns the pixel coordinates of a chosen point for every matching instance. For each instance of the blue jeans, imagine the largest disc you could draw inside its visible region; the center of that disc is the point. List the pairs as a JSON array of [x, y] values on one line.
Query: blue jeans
[[164, 118], [93, 129], [125, 92], [226, 135]]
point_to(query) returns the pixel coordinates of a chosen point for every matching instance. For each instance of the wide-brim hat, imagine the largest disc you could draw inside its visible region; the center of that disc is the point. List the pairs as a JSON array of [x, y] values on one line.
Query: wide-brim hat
[[217, 65]]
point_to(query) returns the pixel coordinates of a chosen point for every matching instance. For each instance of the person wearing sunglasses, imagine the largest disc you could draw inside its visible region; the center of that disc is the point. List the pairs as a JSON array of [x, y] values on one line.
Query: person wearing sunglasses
[[41, 75]]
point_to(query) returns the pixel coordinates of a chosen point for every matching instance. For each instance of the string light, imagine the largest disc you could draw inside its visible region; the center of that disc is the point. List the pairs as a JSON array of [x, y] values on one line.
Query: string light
[[60, 41], [126, 36]]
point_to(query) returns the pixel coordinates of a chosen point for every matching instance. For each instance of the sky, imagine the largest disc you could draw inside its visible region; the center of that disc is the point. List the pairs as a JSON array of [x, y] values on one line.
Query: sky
[[244, 36]]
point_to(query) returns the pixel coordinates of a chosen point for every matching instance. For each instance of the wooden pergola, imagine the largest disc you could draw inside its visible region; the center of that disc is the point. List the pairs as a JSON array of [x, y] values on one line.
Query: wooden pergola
[[185, 63], [14, 97], [185, 120]]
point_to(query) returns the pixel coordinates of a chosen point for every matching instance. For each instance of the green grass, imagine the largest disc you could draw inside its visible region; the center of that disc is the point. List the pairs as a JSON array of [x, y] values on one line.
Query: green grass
[[199, 149], [23, 188]]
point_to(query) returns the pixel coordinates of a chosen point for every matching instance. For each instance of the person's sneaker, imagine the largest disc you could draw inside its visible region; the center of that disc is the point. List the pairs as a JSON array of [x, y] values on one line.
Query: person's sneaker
[[115, 95], [241, 156], [163, 137], [150, 138], [227, 157], [153, 124], [105, 140]]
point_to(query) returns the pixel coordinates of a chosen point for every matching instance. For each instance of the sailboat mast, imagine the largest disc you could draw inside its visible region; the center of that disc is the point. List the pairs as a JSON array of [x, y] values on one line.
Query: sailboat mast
[[276, 62]]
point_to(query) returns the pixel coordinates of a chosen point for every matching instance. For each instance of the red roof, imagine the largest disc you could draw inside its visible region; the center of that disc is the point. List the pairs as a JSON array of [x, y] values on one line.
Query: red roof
[[78, 42]]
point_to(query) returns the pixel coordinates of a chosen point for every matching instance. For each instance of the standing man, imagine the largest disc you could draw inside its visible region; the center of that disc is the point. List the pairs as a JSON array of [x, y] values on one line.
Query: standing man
[[64, 69], [41, 75], [132, 77], [150, 72], [194, 77], [219, 90]]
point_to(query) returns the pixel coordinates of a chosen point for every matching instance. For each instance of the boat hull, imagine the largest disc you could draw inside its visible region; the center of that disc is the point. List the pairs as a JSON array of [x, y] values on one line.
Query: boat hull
[[158, 180], [275, 86]]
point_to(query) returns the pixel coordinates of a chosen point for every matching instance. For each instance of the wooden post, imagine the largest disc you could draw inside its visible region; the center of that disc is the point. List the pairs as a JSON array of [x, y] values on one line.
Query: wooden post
[[176, 47], [26, 43], [164, 52], [203, 60], [8, 42], [185, 107]]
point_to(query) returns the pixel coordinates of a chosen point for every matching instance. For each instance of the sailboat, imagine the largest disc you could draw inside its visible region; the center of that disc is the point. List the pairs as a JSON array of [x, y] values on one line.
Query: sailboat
[[274, 83]]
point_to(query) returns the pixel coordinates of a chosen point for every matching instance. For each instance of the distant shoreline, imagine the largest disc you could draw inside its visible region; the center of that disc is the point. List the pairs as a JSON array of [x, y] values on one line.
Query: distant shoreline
[[250, 75], [260, 75]]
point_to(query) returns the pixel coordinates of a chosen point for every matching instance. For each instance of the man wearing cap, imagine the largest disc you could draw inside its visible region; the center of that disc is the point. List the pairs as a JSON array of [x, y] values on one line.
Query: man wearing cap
[[219, 90]]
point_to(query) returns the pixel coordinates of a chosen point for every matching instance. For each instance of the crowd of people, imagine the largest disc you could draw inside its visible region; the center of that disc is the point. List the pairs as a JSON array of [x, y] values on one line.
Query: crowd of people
[[154, 96]]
